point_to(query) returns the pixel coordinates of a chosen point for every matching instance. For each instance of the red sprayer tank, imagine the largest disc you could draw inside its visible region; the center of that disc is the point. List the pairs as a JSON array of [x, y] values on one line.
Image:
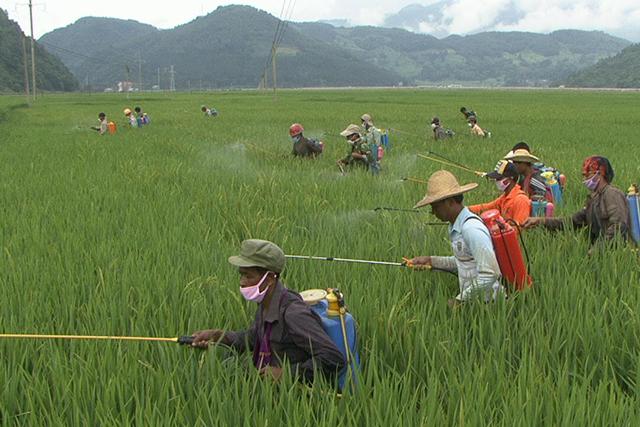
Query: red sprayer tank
[[507, 248]]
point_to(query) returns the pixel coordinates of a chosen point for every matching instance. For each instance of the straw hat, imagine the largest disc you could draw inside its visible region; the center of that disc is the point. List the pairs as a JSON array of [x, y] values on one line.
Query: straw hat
[[443, 185], [521, 156], [350, 130], [367, 118]]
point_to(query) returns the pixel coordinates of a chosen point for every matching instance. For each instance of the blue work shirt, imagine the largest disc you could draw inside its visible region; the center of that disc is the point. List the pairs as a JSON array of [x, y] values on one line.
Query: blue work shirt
[[474, 259]]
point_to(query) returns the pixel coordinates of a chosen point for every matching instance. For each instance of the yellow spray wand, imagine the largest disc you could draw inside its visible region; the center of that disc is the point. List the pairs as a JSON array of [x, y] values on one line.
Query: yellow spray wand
[[183, 340], [452, 164]]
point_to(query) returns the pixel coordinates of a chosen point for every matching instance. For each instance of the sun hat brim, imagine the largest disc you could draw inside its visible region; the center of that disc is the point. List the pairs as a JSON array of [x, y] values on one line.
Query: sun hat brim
[[452, 193]]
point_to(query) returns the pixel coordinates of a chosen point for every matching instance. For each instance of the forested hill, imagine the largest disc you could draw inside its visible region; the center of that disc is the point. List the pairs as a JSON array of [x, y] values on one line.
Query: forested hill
[[619, 71], [230, 46], [227, 48], [52, 74]]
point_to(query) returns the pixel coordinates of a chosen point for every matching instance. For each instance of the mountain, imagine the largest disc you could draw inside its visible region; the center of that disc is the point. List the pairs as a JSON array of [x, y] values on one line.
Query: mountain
[[51, 73], [491, 58], [230, 47], [619, 71], [227, 48]]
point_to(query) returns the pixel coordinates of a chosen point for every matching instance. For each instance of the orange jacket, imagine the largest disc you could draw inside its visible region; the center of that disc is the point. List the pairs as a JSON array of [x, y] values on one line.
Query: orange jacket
[[514, 206]]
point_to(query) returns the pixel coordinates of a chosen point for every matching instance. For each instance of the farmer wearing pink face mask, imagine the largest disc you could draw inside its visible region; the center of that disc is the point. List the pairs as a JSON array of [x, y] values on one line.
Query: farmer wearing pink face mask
[[285, 328], [513, 203], [606, 212]]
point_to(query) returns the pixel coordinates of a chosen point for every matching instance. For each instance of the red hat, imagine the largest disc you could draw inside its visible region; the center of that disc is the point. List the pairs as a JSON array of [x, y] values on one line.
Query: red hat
[[296, 129]]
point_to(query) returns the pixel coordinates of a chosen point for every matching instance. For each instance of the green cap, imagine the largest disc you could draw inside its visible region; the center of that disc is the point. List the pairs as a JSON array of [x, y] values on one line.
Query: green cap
[[259, 253]]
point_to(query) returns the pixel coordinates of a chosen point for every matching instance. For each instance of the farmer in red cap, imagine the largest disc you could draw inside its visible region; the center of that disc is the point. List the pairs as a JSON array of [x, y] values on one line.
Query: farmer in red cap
[[304, 147], [606, 212]]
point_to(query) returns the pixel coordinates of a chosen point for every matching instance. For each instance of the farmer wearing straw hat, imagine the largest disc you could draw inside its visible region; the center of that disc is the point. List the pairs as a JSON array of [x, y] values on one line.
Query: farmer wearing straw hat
[[304, 147], [513, 203], [474, 259], [359, 151], [285, 329], [532, 181], [133, 121], [373, 138], [606, 213]]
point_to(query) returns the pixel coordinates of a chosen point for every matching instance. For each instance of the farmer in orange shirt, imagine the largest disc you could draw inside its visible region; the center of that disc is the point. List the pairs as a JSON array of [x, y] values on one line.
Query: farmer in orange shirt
[[513, 204]]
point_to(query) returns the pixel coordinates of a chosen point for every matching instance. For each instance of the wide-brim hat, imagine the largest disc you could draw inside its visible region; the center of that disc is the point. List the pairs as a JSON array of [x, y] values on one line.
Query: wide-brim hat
[[367, 118], [521, 156], [443, 185], [350, 130], [259, 253]]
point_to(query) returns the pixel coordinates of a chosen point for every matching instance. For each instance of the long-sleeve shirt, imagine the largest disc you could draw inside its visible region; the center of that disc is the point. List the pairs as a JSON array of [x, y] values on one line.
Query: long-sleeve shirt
[[307, 148], [104, 126], [474, 259], [514, 205], [477, 130], [360, 147], [606, 214], [297, 336]]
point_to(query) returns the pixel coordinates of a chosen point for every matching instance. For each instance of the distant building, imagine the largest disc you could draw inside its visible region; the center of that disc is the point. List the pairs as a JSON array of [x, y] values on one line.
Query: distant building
[[125, 86]]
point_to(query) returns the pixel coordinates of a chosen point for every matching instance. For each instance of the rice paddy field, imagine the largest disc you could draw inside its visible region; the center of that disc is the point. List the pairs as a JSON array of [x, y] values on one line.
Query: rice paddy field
[[129, 235]]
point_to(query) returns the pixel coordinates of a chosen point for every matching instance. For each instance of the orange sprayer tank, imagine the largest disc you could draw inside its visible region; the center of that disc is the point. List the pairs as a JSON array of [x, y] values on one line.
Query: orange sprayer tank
[[507, 249]]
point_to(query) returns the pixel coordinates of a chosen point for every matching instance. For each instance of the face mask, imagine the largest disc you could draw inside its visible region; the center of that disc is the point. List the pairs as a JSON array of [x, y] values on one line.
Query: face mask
[[470, 125], [296, 138], [252, 293], [592, 183], [502, 185], [433, 125]]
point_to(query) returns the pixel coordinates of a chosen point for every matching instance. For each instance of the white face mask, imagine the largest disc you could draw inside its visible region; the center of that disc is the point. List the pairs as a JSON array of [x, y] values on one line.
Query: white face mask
[[433, 125], [470, 125], [503, 184]]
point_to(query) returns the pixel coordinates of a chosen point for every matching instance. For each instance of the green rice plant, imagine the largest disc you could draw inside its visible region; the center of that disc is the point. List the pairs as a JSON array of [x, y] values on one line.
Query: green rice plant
[[129, 235]]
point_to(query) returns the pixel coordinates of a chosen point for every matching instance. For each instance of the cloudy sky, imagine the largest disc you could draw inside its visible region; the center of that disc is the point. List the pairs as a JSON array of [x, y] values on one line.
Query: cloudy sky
[[619, 17]]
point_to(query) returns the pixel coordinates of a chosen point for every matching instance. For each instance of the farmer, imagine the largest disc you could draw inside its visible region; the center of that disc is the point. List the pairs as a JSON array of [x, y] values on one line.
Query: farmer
[[141, 117], [513, 203], [133, 121], [302, 146], [440, 133], [476, 129], [606, 213], [531, 180], [209, 112], [104, 124], [285, 329], [474, 259], [359, 152], [467, 113], [373, 137]]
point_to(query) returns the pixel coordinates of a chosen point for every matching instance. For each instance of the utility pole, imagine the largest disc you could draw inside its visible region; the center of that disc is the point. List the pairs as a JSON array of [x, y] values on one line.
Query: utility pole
[[26, 68], [172, 83], [274, 70], [140, 83], [33, 51]]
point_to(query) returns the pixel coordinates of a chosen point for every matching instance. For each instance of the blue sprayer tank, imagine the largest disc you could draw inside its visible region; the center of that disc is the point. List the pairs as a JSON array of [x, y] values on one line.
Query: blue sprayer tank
[[634, 207], [333, 327]]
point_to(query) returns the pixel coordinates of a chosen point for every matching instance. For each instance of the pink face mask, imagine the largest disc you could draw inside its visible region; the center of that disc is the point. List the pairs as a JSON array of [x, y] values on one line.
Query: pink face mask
[[502, 185], [592, 183], [252, 293]]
